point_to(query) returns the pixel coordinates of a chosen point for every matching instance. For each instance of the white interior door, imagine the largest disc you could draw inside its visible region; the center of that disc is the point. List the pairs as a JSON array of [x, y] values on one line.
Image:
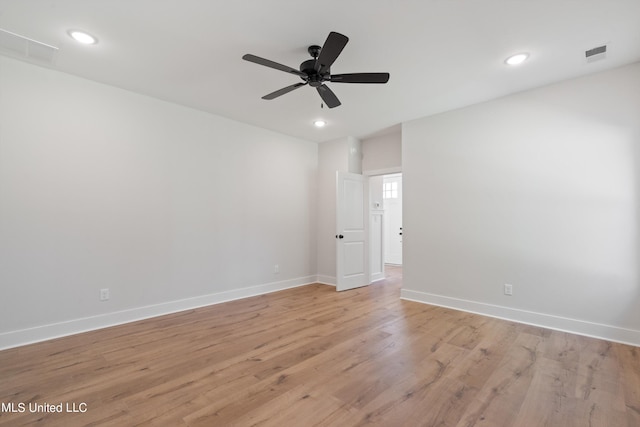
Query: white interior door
[[392, 188], [351, 239]]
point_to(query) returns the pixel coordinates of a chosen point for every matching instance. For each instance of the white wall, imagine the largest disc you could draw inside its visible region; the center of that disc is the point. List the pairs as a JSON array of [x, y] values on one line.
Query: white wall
[[167, 206], [540, 190], [382, 153], [354, 155]]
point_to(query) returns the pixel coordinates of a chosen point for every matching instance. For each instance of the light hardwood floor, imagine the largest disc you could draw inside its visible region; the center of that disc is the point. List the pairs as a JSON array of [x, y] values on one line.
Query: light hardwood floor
[[311, 356]]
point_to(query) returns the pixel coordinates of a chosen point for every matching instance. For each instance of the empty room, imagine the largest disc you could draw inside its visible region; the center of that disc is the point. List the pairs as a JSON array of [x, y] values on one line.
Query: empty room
[[293, 213]]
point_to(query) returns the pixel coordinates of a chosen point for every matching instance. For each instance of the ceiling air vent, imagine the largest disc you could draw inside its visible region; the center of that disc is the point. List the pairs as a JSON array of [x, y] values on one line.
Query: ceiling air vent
[[596, 54], [22, 47]]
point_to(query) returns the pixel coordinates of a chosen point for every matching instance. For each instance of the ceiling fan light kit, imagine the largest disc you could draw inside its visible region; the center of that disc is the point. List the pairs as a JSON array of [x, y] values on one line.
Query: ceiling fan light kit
[[316, 71]]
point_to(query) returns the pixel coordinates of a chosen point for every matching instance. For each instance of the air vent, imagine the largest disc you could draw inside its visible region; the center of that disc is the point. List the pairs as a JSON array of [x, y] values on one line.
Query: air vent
[[23, 47], [596, 54]]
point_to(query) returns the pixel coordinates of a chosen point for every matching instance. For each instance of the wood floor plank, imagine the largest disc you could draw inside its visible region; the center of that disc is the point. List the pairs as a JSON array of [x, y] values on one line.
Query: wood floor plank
[[498, 402], [409, 401], [313, 356]]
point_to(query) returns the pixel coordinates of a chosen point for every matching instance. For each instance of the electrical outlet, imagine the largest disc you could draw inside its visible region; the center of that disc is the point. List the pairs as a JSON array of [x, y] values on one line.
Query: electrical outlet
[[508, 289], [104, 294], [276, 269]]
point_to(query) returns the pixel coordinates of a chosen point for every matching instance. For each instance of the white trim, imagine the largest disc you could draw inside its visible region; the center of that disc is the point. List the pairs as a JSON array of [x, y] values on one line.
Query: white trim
[[574, 326], [326, 280], [374, 277], [385, 171], [377, 277], [76, 326]]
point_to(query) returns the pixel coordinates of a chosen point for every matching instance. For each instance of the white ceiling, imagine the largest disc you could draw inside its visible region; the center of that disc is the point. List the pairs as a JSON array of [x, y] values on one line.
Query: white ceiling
[[441, 54]]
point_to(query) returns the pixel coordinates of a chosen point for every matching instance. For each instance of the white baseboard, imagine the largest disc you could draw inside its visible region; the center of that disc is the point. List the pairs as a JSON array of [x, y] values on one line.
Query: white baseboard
[[580, 327], [326, 280], [376, 277], [75, 326]]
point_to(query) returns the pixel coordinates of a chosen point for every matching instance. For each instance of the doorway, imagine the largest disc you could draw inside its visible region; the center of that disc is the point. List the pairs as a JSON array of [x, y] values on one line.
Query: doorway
[[392, 204], [385, 224]]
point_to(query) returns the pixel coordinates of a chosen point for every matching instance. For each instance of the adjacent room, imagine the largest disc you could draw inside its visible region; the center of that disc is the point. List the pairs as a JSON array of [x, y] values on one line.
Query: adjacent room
[[336, 214]]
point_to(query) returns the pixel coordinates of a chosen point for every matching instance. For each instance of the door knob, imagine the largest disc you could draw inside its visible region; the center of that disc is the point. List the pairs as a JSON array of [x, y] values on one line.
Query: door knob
[[339, 236]]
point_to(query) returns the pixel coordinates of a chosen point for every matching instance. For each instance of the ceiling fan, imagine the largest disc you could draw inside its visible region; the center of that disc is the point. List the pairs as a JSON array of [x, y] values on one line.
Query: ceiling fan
[[315, 72]]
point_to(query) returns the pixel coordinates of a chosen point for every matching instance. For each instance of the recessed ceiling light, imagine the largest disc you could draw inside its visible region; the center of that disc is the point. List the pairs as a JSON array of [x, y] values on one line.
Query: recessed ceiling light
[[319, 123], [516, 59], [82, 37]]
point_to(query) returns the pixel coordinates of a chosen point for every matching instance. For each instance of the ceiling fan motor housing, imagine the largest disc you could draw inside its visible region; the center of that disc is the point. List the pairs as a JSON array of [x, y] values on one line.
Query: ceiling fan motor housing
[[314, 78]]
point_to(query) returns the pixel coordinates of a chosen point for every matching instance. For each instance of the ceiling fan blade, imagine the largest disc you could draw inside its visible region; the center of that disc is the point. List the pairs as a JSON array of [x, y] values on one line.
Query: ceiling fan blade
[[271, 64], [282, 91], [360, 78], [330, 50], [328, 96]]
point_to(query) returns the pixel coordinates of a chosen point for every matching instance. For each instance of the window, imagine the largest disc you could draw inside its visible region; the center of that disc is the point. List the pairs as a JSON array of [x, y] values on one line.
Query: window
[[390, 190]]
